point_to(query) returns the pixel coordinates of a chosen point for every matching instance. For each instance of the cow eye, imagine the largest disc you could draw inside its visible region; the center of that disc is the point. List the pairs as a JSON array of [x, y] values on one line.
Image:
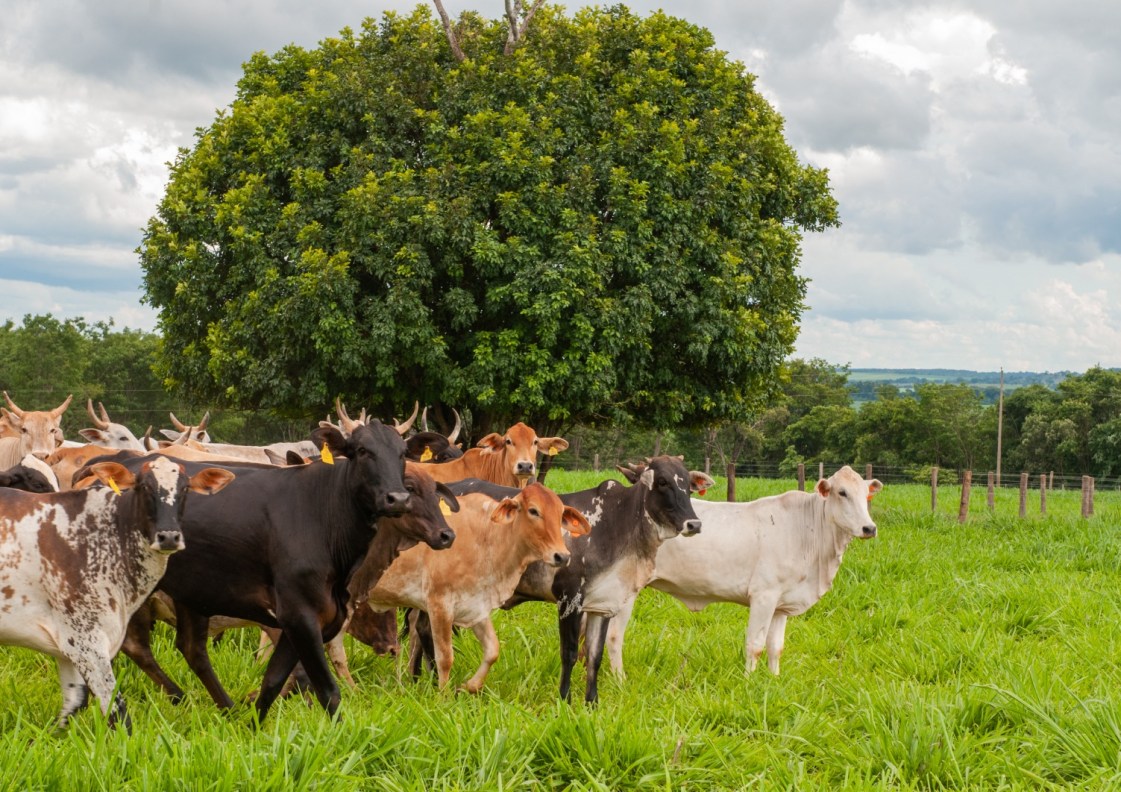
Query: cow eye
[[509, 441], [534, 512], [843, 494]]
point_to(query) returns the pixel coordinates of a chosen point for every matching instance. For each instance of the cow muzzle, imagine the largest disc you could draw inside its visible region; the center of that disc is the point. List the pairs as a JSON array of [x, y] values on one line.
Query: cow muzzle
[[559, 559], [524, 469], [691, 527], [168, 542], [395, 503], [868, 532], [443, 540]]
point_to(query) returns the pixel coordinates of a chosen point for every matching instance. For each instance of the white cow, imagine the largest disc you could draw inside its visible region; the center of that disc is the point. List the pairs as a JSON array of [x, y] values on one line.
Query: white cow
[[778, 555], [24, 432]]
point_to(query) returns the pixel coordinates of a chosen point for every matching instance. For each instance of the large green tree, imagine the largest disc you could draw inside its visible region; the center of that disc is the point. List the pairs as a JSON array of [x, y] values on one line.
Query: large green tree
[[603, 223]]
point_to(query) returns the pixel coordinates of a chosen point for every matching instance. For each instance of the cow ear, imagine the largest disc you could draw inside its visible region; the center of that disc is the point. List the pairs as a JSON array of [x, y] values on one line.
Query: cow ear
[[700, 481], [13, 419], [823, 487], [874, 486], [492, 442], [506, 511], [551, 445], [170, 434], [113, 471], [292, 458], [210, 480], [574, 520], [332, 438], [444, 493], [93, 435]]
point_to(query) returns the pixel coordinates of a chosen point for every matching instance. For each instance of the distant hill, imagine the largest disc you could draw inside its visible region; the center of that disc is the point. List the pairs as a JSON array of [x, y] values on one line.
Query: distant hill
[[864, 381]]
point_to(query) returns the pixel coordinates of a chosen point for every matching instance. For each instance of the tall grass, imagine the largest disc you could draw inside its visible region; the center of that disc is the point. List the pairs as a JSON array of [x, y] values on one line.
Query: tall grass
[[980, 656]]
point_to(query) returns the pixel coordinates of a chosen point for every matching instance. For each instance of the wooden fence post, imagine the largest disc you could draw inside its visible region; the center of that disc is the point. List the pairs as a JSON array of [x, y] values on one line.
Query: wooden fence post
[[989, 498], [1023, 494], [1043, 493], [868, 472], [1051, 481], [1086, 508], [820, 471], [966, 485], [595, 463], [801, 476], [1093, 487], [731, 473], [934, 489]]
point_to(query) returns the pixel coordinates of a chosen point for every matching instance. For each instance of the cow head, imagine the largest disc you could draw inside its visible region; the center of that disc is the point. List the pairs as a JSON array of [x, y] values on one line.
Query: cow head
[[668, 505], [519, 447], [376, 468], [425, 521], [186, 433], [40, 432], [30, 475], [429, 446], [847, 496], [108, 434], [156, 495], [541, 520]]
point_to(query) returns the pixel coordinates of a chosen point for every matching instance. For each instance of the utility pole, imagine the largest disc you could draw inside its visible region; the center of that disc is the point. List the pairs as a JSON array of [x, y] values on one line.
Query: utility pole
[[999, 424]]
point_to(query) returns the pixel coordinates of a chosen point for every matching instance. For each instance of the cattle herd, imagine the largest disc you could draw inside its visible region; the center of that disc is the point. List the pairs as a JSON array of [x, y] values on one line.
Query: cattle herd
[[310, 541]]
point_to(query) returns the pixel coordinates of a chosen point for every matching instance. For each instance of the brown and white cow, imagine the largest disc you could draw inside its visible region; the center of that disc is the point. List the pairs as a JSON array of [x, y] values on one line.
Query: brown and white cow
[[463, 585], [38, 432], [778, 555], [509, 459], [75, 565]]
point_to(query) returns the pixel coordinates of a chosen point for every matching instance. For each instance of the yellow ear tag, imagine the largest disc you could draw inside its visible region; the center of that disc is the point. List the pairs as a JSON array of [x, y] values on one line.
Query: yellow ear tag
[[427, 455], [445, 509], [552, 450], [326, 455], [113, 486]]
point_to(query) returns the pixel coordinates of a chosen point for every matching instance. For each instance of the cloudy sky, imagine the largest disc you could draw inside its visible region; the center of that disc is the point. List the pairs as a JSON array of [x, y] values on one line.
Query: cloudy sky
[[974, 148]]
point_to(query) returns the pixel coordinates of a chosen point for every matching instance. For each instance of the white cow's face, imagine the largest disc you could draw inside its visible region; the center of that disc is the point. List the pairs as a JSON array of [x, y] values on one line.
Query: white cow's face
[[847, 496], [40, 431]]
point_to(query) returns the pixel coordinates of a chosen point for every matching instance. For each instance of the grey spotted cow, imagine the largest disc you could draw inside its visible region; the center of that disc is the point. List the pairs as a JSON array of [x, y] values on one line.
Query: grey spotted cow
[[74, 566]]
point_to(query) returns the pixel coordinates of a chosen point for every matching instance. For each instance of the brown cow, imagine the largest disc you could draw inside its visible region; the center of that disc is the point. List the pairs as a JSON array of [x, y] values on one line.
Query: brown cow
[[39, 431], [496, 541], [508, 459]]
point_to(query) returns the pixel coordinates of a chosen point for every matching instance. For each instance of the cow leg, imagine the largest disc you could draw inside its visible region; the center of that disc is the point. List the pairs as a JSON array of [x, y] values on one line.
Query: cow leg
[[281, 663], [137, 647], [615, 631], [570, 647], [755, 642], [75, 694], [190, 640], [96, 668], [595, 634], [302, 628], [484, 631], [775, 640], [336, 651], [441, 625]]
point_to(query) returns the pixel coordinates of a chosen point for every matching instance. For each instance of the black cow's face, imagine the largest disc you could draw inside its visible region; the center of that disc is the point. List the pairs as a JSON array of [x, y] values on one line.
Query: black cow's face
[[428, 501], [668, 504], [377, 454], [431, 447]]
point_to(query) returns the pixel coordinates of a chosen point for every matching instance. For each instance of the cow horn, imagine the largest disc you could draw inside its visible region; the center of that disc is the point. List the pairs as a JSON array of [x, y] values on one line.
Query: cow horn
[[104, 413], [407, 425], [177, 423], [100, 424], [146, 441], [202, 424], [345, 422], [455, 431], [424, 419], [60, 409], [16, 411]]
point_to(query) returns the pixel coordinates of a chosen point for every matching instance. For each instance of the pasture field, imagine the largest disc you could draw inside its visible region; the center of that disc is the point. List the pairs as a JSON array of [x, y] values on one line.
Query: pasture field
[[981, 656]]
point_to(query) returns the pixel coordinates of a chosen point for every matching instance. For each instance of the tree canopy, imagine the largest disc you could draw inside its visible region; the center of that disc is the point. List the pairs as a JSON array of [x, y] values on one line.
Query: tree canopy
[[603, 224]]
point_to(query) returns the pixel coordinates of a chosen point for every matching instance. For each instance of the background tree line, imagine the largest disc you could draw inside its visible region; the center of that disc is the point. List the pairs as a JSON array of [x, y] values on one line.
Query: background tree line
[[1071, 429]]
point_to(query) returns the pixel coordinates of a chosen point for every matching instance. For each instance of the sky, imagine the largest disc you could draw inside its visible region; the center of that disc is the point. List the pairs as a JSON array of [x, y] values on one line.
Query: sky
[[974, 149]]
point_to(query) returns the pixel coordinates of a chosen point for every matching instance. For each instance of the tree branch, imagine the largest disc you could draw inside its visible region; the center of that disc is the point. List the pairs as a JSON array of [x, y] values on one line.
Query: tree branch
[[449, 30], [517, 24]]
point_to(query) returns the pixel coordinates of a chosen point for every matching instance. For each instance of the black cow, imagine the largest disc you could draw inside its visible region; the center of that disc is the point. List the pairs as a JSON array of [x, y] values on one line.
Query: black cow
[[612, 562], [25, 478], [279, 551]]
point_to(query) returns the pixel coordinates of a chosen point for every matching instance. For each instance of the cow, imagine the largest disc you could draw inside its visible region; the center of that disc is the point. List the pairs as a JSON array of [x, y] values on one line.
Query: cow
[[509, 459], [461, 586], [37, 432], [278, 548], [75, 565], [30, 475], [429, 446], [66, 462], [182, 431], [106, 433], [778, 555], [615, 560], [424, 522]]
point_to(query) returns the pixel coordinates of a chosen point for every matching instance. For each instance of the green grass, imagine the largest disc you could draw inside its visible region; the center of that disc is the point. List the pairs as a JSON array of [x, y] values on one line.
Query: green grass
[[977, 656]]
